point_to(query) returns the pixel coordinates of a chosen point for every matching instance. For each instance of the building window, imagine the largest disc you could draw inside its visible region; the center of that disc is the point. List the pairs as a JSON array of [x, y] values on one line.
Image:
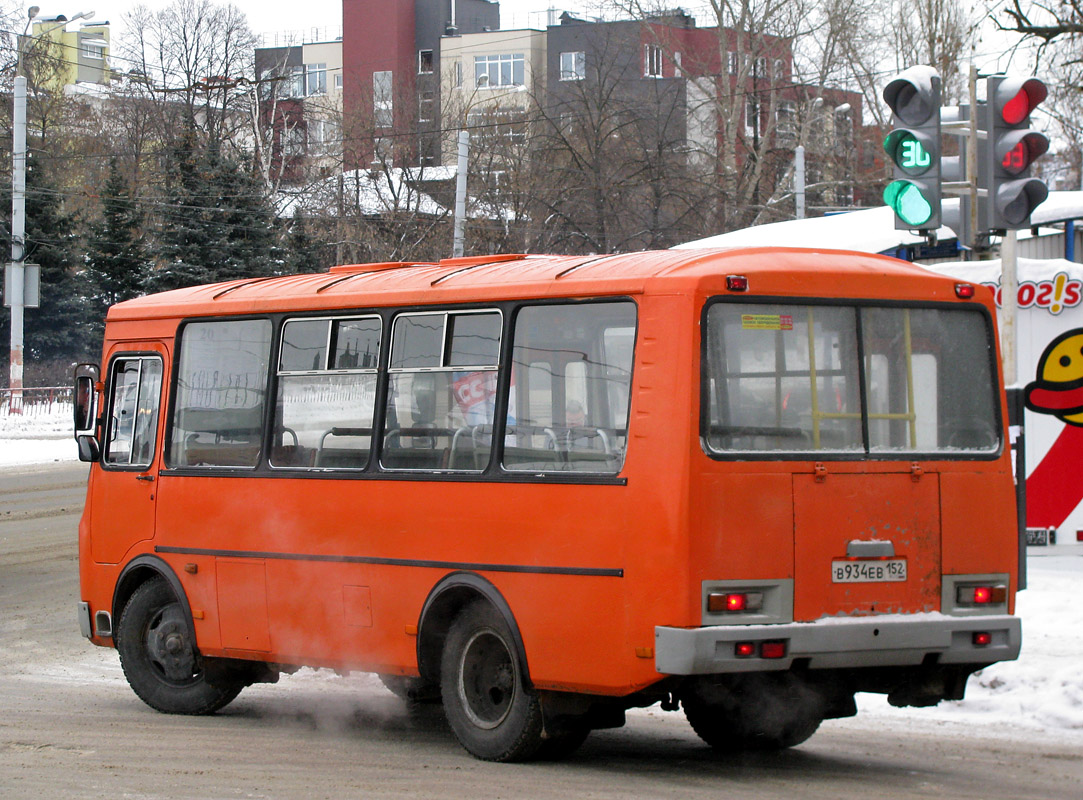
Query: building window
[[652, 61], [786, 120], [297, 82], [507, 69], [316, 79], [761, 67], [457, 74], [425, 105], [338, 80], [382, 103], [573, 66], [424, 62], [731, 62], [94, 50], [752, 116], [778, 69]]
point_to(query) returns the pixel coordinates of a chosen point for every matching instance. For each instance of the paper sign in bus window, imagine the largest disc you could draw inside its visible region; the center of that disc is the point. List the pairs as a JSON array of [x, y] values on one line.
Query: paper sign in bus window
[[767, 322]]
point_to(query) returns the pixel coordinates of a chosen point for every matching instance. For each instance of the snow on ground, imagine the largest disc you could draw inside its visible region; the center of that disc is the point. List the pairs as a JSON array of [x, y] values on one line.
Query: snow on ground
[[40, 435], [1041, 692]]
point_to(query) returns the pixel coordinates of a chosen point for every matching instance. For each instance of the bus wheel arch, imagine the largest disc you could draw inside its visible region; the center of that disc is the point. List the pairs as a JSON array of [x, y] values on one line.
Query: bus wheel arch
[[137, 572], [446, 600]]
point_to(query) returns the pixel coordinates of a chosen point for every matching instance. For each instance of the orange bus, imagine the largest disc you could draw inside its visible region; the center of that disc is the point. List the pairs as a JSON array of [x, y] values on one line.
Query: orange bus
[[543, 490]]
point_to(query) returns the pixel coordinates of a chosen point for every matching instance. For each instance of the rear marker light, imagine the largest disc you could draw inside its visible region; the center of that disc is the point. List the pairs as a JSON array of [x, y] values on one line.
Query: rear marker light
[[773, 650], [982, 639], [737, 283], [745, 650], [734, 602], [981, 595], [964, 291]]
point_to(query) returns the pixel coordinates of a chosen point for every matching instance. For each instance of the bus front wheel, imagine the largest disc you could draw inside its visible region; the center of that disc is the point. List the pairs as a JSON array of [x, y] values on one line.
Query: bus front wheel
[[770, 711], [488, 706], [159, 657]]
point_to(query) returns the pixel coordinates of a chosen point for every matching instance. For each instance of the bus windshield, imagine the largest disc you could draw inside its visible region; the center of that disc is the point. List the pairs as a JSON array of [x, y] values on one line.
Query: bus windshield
[[857, 380]]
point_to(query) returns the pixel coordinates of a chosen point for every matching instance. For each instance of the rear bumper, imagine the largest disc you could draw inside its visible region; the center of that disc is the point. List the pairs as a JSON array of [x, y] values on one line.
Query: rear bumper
[[839, 643]]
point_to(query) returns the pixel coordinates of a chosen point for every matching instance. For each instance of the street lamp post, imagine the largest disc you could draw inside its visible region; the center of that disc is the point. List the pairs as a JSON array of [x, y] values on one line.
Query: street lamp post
[[16, 284]]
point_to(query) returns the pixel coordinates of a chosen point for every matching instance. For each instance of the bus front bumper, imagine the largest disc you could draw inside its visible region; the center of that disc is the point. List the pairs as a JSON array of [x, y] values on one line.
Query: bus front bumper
[[838, 643]]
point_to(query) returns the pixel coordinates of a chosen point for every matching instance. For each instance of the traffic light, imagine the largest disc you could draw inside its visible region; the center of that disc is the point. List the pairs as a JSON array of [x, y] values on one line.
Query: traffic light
[[1006, 153], [914, 148]]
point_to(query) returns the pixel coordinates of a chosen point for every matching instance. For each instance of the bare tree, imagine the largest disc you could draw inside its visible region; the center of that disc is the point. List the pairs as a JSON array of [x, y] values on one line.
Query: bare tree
[[194, 56]]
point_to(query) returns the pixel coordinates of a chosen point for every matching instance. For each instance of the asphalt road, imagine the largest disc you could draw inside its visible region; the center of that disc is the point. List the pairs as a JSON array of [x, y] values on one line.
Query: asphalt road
[[70, 727]]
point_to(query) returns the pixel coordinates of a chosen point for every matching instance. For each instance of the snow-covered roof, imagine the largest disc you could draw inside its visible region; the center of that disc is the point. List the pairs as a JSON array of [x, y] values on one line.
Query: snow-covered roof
[[870, 230], [363, 192]]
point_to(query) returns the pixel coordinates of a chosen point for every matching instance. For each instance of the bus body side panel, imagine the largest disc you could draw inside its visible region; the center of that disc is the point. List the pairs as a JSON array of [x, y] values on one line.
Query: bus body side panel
[[312, 570]]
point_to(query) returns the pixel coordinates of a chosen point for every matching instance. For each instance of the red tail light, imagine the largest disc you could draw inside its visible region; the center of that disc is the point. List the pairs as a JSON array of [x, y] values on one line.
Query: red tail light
[[981, 595], [734, 602], [745, 649], [773, 650], [982, 639]]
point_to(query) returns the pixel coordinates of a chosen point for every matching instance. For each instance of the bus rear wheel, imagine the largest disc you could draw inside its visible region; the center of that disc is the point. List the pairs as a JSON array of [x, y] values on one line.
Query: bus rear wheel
[[159, 657], [487, 703], [770, 711]]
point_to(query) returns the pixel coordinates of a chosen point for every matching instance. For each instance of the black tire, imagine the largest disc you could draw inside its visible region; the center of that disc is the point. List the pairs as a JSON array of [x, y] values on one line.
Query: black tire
[[159, 657], [756, 712], [486, 700]]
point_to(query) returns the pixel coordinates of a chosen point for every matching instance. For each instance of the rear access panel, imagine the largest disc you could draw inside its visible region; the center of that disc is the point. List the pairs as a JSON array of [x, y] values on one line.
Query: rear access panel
[[866, 544]]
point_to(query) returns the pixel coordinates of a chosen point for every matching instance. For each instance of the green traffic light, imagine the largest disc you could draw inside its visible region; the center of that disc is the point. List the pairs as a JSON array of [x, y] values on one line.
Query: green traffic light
[[913, 155], [907, 151], [908, 203]]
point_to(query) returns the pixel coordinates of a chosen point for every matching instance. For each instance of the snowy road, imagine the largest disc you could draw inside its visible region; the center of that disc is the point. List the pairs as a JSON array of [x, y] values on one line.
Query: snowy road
[[72, 728]]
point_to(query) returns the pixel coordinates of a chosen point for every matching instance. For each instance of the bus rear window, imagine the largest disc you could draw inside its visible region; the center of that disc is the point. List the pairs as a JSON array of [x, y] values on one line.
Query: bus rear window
[[794, 377]]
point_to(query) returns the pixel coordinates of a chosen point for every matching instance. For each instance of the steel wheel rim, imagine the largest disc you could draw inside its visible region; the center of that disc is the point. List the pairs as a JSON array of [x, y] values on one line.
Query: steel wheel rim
[[168, 646], [488, 679]]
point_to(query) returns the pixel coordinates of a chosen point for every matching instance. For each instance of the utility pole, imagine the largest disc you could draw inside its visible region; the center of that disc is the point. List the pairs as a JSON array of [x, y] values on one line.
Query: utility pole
[[17, 270], [460, 196], [16, 295]]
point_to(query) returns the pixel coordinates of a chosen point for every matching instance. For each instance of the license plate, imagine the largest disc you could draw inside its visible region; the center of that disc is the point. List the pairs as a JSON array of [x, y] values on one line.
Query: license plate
[[893, 569]]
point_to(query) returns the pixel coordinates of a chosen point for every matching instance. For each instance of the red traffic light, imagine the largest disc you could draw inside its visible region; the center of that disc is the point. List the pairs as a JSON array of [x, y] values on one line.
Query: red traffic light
[[1015, 99]]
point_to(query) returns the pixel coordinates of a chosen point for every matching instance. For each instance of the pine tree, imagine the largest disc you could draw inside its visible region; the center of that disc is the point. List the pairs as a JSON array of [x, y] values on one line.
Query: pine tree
[[116, 261], [216, 224], [59, 329]]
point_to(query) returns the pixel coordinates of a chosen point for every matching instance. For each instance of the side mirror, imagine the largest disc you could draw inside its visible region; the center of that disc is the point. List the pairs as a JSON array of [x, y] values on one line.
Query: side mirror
[[86, 411]]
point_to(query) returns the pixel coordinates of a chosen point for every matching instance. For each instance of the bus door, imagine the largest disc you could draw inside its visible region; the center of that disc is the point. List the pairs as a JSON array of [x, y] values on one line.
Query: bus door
[[124, 488]]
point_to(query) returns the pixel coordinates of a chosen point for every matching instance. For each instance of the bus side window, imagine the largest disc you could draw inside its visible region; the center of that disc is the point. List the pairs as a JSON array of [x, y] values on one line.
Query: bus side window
[[442, 391], [221, 389], [574, 408], [326, 393]]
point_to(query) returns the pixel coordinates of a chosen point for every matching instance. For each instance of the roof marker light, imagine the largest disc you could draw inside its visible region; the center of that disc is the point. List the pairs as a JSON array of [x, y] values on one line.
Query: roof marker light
[[737, 283], [964, 291]]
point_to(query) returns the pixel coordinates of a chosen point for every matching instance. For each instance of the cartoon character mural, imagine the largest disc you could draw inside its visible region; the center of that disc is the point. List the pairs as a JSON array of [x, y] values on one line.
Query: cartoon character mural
[[1054, 488]]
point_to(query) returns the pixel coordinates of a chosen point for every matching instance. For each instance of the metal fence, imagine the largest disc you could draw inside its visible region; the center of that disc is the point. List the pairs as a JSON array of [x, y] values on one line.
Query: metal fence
[[35, 400]]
